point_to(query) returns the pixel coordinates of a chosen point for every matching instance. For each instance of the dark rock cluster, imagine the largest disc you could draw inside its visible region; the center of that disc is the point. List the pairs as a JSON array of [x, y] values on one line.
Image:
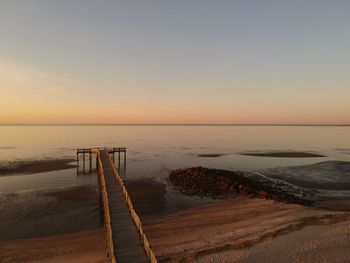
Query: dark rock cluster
[[216, 183]]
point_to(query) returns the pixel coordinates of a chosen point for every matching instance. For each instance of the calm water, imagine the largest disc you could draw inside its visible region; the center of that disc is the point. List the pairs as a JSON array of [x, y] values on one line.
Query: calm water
[[154, 150]]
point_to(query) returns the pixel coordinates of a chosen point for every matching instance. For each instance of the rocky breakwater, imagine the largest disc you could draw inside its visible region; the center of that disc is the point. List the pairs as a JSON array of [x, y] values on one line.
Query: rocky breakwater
[[216, 183]]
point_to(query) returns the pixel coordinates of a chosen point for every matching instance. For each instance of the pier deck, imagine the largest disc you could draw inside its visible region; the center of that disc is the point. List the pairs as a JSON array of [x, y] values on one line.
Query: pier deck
[[126, 240]]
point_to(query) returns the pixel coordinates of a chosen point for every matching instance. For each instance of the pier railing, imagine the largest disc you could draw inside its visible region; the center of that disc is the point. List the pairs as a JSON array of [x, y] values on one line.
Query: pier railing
[[134, 216]]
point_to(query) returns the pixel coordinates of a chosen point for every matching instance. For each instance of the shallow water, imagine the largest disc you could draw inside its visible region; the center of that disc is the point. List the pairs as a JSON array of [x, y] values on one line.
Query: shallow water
[[46, 180], [154, 150]]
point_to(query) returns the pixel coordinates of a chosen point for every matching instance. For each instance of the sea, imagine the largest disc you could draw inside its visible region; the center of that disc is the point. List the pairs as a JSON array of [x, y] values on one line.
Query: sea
[[154, 150]]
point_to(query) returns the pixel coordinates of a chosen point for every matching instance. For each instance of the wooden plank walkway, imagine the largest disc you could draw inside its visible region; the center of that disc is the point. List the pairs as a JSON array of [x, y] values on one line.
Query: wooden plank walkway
[[125, 236]]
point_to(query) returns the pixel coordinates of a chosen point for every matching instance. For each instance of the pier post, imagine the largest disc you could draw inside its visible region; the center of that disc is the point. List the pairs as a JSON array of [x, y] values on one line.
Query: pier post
[[119, 160], [90, 160], [77, 162], [124, 161], [100, 198], [83, 162]]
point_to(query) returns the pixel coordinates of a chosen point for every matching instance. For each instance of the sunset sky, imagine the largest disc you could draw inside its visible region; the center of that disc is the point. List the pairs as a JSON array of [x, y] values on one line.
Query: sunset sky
[[70, 61]]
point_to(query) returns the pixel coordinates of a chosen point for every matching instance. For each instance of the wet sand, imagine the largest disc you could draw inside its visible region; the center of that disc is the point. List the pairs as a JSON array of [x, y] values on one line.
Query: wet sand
[[60, 225], [43, 213], [148, 196], [220, 231], [211, 155], [154, 199], [88, 246], [329, 175], [36, 166], [284, 154]]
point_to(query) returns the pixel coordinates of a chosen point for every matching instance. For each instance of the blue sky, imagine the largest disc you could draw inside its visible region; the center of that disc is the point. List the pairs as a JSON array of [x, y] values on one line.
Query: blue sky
[[175, 61]]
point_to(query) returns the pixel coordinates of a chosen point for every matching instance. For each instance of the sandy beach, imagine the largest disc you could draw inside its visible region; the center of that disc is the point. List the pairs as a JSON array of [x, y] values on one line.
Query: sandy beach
[[87, 246], [258, 220], [234, 230]]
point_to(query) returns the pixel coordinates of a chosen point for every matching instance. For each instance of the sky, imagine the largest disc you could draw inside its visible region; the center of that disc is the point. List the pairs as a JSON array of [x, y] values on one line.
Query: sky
[[184, 61]]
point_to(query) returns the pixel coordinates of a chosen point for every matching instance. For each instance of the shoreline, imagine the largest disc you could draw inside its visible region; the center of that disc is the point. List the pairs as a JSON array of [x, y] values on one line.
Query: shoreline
[[244, 217]]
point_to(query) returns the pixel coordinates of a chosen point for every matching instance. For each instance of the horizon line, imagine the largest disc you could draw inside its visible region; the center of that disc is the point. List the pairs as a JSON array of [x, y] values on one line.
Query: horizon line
[[173, 124]]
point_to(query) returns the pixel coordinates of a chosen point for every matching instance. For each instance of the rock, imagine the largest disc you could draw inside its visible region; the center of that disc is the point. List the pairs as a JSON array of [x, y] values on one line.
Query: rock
[[216, 183]]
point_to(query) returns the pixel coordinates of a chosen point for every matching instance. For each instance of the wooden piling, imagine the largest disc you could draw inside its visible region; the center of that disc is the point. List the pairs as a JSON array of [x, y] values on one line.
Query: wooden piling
[[124, 161], [84, 162], [77, 162], [90, 164]]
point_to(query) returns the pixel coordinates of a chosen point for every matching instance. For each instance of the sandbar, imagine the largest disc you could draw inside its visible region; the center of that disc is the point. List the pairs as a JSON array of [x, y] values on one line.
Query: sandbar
[[278, 154], [36, 166]]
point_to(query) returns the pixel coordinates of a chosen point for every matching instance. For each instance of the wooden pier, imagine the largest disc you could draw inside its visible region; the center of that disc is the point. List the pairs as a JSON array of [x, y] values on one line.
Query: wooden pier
[[126, 240]]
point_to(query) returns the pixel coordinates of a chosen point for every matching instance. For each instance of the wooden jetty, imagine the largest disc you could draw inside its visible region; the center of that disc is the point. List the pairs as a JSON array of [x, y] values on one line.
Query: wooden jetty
[[126, 240]]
